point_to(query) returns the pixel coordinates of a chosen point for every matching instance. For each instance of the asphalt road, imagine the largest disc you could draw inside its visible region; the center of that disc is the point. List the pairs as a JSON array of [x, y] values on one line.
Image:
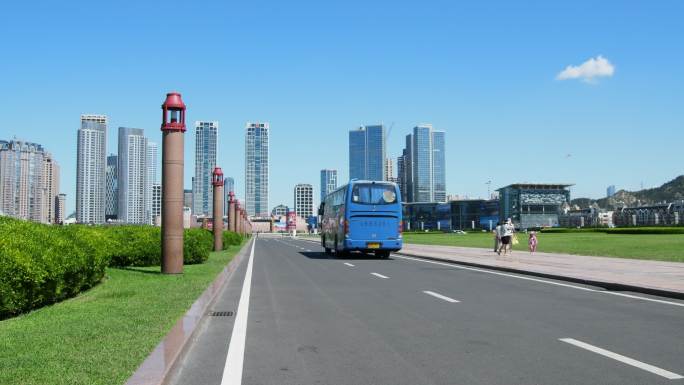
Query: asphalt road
[[307, 318]]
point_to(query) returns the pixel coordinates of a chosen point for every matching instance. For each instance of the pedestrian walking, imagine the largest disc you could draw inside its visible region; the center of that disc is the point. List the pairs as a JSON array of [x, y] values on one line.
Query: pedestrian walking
[[497, 236], [507, 237], [532, 242]]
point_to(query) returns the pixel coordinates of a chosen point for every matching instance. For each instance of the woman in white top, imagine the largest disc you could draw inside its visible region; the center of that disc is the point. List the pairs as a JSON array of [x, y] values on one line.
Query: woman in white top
[[507, 231]]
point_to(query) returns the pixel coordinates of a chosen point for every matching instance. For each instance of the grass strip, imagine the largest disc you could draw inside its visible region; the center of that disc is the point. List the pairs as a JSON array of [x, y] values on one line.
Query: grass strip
[[102, 335], [661, 247]]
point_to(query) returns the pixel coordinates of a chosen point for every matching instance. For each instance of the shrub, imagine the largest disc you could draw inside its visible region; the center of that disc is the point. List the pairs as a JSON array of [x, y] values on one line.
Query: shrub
[[231, 238], [135, 245], [197, 245], [42, 264]]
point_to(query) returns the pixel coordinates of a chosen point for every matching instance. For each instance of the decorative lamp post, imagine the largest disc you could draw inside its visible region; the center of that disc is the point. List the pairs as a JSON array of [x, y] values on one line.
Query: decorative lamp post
[[173, 128], [231, 211], [217, 182]]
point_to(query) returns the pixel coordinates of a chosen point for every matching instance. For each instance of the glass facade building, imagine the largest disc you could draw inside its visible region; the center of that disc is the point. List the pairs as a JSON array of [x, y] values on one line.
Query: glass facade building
[[256, 169], [422, 165], [533, 205], [328, 182], [206, 134], [367, 153]]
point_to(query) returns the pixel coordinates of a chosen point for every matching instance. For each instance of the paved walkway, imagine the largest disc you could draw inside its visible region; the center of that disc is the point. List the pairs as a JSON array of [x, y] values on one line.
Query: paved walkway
[[650, 275]]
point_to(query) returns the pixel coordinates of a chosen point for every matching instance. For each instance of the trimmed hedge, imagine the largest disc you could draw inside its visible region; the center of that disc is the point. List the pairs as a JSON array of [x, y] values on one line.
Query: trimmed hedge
[[617, 230], [197, 245], [231, 238], [41, 264]]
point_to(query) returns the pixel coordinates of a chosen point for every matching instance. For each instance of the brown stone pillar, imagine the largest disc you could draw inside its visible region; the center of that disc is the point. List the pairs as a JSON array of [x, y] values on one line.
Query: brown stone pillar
[[173, 129]]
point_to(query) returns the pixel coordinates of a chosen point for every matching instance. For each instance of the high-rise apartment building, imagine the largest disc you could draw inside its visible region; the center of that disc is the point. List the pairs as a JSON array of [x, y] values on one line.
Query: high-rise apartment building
[[91, 156], [60, 209], [151, 178], [132, 175], [51, 189], [156, 203], [423, 165], [610, 191], [367, 153], [389, 170], [187, 198], [25, 189], [328, 182], [111, 189], [256, 169], [303, 200], [206, 134]]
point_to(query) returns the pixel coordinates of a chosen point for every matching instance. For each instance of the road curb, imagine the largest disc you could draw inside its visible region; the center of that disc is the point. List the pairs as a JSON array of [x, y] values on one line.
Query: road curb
[[612, 286], [161, 362]]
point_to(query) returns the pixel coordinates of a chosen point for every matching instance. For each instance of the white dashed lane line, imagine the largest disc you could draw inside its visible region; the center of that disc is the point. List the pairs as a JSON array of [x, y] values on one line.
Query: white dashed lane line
[[442, 297], [625, 360], [349, 264], [380, 276]]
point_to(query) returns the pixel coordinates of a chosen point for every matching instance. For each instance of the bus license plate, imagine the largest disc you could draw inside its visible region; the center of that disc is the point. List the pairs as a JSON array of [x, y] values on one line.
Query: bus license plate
[[373, 245]]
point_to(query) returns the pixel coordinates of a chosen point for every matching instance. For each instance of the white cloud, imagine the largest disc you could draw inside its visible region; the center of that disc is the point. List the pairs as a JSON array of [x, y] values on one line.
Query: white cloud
[[589, 70]]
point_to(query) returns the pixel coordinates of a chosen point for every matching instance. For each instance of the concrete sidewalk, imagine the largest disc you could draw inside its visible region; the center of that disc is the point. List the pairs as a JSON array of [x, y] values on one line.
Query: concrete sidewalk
[[650, 277]]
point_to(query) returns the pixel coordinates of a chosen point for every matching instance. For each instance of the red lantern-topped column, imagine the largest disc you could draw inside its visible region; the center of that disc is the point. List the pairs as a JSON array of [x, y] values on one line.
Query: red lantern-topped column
[[173, 128], [217, 182]]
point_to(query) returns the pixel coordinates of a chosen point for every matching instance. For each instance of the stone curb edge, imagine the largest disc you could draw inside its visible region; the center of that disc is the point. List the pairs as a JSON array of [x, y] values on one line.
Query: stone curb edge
[[612, 286], [160, 363]]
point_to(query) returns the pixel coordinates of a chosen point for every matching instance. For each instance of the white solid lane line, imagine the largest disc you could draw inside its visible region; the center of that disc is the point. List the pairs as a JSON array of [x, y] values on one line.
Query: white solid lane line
[[453, 265], [232, 372], [443, 297], [626, 360], [380, 275], [349, 264]]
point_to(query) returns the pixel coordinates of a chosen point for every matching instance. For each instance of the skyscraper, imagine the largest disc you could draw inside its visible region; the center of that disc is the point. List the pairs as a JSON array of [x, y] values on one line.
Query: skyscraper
[[24, 187], [132, 175], [438, 166], [205, 160], [112, 189], [610, 191], [256, 169], [389, 170], [150, 179], [328, 182], [51, 188], [156, 203], [367, 153], [90, 169], [303, 200], [423, 164], [60, 207]]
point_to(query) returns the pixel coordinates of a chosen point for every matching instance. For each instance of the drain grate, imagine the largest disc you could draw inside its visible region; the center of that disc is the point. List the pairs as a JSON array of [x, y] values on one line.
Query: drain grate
[[220, 313]]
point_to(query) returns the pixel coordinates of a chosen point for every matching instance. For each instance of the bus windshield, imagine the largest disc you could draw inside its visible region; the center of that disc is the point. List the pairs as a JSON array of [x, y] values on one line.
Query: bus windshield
[[374, 194]]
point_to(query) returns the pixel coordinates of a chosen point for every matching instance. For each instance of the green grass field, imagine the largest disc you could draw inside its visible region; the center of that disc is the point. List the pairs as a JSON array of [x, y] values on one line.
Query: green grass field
[[102, 335], [662, 247]]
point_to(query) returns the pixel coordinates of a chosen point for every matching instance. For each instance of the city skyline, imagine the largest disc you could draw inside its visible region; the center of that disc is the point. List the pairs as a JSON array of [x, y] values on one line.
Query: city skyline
[[482, 79]]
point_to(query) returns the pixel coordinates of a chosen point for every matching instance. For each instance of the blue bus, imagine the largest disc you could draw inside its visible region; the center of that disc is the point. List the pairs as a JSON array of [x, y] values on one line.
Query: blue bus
[[362, 216]]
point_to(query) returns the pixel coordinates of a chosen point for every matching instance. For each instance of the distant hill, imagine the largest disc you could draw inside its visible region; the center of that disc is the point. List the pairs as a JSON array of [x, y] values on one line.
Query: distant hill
[[670, 191]]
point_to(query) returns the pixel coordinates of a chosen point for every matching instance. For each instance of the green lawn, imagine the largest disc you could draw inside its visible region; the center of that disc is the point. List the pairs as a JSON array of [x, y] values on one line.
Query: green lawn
[[104, 334], [662, 247]]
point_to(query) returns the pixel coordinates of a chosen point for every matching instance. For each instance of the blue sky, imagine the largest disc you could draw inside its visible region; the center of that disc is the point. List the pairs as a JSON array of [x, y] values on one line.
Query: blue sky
[[486, 72]]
